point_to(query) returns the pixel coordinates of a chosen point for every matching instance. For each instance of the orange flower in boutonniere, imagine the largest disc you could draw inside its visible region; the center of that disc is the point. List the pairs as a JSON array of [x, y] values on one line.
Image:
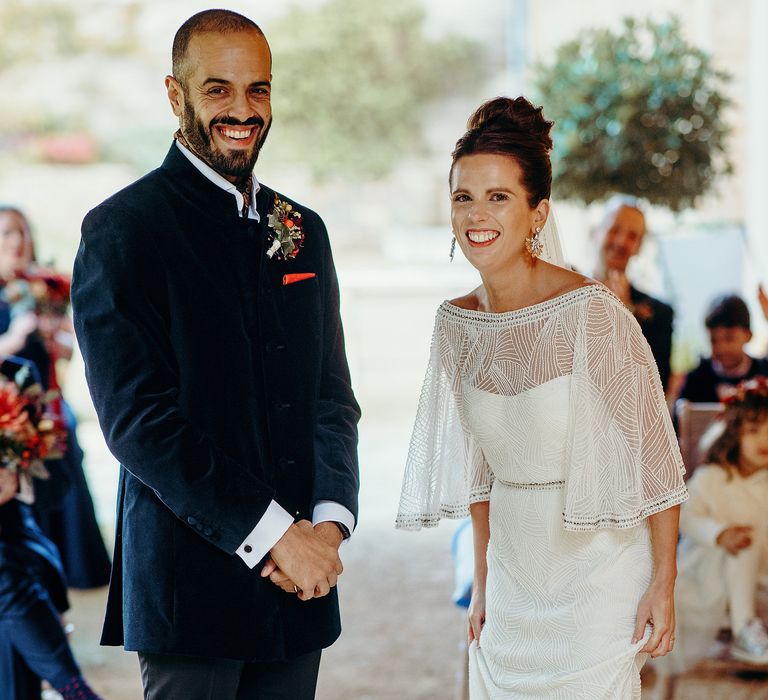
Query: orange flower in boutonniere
[[287, 231], [643, 311]]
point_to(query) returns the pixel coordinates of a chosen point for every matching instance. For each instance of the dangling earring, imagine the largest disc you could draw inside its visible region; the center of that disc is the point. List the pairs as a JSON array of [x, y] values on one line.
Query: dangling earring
[[453, 248], [534, 244]]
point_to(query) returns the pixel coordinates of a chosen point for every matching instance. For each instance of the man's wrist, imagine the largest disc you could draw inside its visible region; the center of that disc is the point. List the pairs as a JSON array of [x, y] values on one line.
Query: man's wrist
[[345, 533]]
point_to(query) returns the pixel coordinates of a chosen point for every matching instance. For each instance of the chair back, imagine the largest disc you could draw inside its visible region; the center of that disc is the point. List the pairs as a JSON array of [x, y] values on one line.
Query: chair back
[[693, 419]]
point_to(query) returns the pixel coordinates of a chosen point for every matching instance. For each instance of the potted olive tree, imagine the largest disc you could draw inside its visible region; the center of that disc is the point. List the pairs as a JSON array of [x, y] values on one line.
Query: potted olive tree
[[638, 111]]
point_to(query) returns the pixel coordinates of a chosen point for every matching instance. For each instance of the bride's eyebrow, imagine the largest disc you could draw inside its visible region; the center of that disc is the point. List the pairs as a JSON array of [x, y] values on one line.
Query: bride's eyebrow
[[506, 190]]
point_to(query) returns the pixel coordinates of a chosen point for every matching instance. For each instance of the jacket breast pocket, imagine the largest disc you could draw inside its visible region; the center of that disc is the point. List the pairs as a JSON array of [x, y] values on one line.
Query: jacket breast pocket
[[300, 290], [301, 318]]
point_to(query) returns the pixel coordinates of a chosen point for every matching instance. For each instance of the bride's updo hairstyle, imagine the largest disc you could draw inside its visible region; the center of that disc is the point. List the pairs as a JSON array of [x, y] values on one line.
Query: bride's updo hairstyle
[[514, 128]]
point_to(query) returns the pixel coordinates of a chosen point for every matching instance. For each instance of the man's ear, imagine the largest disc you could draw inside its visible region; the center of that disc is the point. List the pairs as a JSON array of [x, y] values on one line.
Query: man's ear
[[175, 95]]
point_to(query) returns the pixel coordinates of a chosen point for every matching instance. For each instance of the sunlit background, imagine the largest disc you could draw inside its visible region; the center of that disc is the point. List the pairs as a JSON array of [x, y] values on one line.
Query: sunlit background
[[369, 99]]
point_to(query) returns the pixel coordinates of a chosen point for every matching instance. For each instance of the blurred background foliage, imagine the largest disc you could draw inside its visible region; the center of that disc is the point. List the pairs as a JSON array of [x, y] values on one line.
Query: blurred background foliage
[[45, 30], [638, 111], [355, 80]]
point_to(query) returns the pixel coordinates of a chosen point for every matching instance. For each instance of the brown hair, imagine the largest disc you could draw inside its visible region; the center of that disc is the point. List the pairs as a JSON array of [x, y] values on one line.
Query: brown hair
[[727, 311], [722, 441], [221, 21], [514, 128]]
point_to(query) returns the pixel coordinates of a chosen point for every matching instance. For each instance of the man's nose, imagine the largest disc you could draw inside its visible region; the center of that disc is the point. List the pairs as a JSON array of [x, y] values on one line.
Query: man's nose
[[618, 240], [240, 108]]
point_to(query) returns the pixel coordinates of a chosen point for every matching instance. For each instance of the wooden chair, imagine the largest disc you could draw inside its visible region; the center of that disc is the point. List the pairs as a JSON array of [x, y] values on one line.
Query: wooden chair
[[693, 419]]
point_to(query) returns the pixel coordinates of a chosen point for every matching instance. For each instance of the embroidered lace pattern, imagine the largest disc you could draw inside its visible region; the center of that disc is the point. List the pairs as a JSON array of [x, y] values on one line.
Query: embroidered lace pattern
[[621, 462]]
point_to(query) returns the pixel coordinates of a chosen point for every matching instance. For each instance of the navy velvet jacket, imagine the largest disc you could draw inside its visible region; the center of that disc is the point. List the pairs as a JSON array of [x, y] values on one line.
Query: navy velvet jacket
[[656, 321], [218, 388]]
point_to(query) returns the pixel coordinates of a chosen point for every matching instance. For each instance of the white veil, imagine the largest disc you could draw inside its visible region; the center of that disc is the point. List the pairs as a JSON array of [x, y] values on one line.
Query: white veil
[[550, 237]]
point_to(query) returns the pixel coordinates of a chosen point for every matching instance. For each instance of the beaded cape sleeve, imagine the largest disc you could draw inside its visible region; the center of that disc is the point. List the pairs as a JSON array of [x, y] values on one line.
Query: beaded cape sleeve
[[622, 462]]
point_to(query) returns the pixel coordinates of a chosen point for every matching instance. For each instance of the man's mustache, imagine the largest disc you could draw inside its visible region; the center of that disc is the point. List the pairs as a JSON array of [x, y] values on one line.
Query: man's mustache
[[231, 121]]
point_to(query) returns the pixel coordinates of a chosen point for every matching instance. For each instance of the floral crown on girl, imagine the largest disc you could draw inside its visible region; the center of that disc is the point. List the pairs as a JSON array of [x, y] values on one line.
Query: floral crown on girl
[[755, 388]]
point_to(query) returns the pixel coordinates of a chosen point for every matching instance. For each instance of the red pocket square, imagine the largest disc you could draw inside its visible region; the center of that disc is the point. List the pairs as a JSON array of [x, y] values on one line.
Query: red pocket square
[[297, 277]]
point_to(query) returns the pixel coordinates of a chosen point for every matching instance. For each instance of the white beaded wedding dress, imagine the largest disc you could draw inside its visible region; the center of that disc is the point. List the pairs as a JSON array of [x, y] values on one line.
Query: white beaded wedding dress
[[555, 413]]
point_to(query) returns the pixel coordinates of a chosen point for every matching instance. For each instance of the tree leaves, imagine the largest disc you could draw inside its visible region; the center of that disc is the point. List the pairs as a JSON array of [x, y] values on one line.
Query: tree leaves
[[638, 112], [352, 82]]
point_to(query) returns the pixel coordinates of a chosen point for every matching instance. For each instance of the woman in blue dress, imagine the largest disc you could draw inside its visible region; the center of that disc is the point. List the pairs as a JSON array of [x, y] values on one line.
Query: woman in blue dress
[[71, 524]]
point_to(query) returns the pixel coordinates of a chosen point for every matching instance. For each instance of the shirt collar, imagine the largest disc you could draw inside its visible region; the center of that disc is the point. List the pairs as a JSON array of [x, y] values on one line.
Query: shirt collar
[[220, 181]]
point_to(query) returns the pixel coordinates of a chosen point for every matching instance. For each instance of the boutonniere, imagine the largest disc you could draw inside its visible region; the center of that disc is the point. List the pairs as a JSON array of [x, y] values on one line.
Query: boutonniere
[[287, 231], [643, 311]]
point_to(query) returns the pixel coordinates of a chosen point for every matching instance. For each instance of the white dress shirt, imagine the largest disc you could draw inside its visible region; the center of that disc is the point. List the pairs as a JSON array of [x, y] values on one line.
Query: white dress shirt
[[276, 520]]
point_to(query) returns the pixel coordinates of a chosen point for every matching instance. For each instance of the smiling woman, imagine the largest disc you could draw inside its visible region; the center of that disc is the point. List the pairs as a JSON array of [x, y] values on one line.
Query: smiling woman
[[542, 416]]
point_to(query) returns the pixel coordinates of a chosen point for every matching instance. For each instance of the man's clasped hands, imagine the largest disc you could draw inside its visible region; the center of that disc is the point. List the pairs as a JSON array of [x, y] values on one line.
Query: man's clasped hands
[[305, 560]]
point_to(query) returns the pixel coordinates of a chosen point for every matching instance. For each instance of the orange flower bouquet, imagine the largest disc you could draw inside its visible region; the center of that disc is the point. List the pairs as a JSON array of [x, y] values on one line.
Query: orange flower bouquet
[[29, 433]]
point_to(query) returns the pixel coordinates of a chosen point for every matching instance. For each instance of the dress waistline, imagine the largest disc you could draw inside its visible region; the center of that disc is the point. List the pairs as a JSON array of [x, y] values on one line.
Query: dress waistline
[[533, 486]]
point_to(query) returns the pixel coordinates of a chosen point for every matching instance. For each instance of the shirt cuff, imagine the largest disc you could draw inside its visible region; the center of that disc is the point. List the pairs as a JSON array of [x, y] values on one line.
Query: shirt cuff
[[330, 511], [264, 536]]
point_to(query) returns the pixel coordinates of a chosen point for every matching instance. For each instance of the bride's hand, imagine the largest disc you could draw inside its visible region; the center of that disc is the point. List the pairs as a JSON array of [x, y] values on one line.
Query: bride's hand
[[476, 614], [9, 485], [657, 607]]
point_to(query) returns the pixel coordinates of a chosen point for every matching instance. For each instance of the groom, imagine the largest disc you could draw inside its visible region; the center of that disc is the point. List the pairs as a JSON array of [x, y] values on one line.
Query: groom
[[207, 309]]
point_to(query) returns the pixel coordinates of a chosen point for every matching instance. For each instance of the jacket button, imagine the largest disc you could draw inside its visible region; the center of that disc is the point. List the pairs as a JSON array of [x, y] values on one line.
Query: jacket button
[[192, 521], [274, 347], [207, 531], [248, 549]]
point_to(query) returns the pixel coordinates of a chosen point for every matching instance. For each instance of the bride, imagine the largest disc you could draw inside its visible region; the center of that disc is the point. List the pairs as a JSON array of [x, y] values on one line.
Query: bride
[[543, 414]]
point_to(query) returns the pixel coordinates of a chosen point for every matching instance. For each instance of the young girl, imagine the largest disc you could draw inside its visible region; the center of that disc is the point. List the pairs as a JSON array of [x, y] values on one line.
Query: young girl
[[724, 549]]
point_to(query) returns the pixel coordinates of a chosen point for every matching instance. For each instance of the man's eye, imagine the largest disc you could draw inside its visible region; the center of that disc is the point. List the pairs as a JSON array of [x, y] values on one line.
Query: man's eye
[[498, 197], [460, 198]]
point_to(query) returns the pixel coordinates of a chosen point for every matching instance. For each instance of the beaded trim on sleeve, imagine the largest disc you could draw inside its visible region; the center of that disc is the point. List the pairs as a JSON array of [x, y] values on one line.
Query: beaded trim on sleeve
[[609, 520], [457, 512]]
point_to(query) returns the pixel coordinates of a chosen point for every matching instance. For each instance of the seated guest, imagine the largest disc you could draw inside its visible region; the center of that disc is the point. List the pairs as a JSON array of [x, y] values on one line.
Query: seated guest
[[620, 237], [723, 553], [728, 325]]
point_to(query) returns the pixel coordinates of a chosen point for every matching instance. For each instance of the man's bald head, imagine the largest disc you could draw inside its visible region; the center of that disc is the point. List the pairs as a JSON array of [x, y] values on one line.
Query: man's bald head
[[219, 21]]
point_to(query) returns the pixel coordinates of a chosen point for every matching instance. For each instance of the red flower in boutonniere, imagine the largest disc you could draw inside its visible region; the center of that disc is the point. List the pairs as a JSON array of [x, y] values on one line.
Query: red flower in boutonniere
[[643, 311], [287, 231]]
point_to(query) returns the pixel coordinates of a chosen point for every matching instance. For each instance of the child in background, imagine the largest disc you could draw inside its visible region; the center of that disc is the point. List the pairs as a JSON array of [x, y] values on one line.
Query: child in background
[[723, 553], [728, 325]]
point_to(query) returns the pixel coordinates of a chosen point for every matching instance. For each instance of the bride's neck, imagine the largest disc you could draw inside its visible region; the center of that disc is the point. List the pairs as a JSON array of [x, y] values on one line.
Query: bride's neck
[[510, 288]]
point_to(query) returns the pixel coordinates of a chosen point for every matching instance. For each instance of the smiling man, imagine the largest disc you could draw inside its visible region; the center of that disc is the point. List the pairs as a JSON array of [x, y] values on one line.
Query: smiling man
[[207, 310], [620, 237]]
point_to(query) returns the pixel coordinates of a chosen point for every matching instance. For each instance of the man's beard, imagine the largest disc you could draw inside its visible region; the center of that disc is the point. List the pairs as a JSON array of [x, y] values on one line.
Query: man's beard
[[238, 164]]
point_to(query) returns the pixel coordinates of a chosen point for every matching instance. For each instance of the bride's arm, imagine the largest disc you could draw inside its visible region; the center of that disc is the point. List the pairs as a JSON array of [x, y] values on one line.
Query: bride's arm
[[481, 533], [658, 603]]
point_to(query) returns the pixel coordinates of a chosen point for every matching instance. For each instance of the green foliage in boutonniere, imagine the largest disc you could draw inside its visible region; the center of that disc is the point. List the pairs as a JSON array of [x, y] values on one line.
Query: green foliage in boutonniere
[[287, 231]]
